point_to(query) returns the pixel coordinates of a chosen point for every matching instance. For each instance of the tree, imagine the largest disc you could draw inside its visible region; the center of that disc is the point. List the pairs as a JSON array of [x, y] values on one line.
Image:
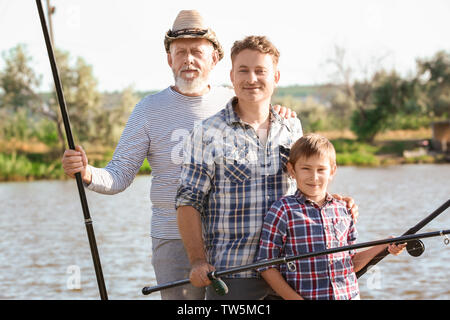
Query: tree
[[114, 115], [434, 73], [387, 97], [18, 81], [19, 85], [81, 96]]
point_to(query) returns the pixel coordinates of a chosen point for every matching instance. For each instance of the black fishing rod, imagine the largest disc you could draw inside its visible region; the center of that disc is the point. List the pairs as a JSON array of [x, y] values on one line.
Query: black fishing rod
[[414, 248], [65, 116], [220, 287]]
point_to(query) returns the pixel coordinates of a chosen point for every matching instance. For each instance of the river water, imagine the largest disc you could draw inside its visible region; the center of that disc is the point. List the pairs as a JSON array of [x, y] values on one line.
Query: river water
[[44, 251]]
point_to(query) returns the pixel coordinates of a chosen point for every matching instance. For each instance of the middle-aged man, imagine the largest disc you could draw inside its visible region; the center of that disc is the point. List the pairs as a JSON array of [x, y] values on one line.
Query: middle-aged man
[[155, 130], [234, 168]]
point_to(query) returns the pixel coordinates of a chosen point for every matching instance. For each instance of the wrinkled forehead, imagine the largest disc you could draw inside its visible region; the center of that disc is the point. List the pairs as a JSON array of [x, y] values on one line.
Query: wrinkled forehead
[[191, 43]]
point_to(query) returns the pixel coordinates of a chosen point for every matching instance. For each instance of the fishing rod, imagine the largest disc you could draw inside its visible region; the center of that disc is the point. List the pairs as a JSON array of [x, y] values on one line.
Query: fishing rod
[[220, 286], [414, 248], [65, 116]]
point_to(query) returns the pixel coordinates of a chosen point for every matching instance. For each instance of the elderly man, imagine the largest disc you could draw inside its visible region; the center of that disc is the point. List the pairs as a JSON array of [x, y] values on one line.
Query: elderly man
[[155, 130]]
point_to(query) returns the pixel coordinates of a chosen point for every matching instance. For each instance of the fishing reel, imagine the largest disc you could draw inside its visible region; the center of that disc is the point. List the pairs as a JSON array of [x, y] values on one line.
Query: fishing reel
[[218, 285], [415, 248]]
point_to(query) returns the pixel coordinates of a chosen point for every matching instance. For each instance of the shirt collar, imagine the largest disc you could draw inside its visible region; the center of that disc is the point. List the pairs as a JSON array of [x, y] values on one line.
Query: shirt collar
[[303, 200], [232, 117]]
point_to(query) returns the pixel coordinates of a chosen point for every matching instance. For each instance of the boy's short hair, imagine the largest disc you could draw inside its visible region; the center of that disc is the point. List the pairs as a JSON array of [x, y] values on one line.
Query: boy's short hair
[[258, 43], [312, 145]]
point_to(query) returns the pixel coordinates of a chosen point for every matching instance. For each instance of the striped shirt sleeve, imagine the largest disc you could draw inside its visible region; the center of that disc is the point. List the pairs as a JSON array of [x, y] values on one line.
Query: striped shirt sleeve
[[128, 157]]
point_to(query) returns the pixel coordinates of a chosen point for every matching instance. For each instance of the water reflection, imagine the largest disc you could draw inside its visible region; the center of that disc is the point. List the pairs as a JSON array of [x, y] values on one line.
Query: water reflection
[[43, 238]]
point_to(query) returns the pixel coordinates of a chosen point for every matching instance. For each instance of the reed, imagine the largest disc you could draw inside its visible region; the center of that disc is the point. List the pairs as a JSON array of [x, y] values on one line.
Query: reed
[[17, 167]]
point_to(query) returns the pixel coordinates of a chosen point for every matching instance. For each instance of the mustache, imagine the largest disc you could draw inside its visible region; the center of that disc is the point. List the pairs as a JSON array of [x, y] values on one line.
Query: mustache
[[188, 68]]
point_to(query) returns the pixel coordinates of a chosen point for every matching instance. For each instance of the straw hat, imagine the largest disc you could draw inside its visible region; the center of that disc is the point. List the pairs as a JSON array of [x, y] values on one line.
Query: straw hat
[[190, 24]]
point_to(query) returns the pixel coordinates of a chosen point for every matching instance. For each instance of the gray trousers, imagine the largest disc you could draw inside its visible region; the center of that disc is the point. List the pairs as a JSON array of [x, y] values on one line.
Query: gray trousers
[[171, 263], [241, 289]]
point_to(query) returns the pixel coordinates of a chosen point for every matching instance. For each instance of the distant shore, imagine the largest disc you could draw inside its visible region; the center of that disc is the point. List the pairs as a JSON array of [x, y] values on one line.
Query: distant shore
[[28, 161]]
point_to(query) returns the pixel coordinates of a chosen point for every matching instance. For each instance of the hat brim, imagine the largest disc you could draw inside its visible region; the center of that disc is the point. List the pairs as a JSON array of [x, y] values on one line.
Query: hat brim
[[209, 35]]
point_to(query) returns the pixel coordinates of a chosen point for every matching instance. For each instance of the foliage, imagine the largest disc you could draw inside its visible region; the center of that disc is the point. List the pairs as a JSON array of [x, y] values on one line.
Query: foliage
[[82, 97], [28, 114], [380, 101], [350, 152], [435, 75], [387, 101], [313, 114], [18, 81], [387, 97], [19, 167]]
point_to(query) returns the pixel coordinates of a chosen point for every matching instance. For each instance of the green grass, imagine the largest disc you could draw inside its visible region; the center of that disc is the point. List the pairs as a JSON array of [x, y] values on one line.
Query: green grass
[[15, 167], [34, 166], [351, 152], [356, 159]]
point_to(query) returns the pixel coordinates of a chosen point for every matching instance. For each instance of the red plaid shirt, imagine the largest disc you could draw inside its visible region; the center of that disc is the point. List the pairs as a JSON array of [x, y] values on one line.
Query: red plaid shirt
[[295, 225]]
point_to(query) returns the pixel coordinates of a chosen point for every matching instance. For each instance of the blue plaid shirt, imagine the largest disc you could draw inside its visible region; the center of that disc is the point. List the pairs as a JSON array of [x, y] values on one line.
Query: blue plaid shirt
[[232, 179]]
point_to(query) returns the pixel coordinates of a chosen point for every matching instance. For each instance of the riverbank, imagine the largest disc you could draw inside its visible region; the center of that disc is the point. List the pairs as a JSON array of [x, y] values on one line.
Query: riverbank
[[25, 161]]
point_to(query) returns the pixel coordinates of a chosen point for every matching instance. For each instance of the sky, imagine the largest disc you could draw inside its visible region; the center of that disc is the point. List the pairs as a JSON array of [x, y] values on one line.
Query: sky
[[123, 40]]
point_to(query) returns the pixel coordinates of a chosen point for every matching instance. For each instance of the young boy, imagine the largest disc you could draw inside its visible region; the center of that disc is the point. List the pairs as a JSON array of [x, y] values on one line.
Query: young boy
[[312, 220]]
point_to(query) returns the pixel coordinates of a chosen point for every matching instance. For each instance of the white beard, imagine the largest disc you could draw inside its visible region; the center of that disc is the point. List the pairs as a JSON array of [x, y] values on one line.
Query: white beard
[[192, 86]]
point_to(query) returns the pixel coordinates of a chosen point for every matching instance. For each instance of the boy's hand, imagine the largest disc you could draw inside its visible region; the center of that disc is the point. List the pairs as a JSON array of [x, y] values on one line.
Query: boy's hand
[[351, 205], [396, 249], [284, 112]]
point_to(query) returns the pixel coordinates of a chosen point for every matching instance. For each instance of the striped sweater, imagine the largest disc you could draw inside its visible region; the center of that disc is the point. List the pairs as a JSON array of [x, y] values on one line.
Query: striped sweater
[[156, 130]]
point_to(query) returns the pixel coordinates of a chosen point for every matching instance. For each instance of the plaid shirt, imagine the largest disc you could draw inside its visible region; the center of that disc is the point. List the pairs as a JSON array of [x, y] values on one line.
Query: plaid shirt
[[232, 179], [295, 225]]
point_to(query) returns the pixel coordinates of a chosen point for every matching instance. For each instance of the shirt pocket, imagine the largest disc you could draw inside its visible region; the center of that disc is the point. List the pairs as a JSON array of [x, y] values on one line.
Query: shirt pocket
[[235, 164], [341, 228], [236, 171]]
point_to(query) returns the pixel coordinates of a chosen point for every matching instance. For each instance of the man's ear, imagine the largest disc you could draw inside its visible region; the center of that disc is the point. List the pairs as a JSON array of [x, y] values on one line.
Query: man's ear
[[215, 57], [232, 76], [333, 171], [277, 76], [169, 59]]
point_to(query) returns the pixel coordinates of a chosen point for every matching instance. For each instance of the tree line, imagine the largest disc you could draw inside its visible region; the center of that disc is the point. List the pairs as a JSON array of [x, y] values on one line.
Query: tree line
[[379, 102], [27, 113], [382, 101]]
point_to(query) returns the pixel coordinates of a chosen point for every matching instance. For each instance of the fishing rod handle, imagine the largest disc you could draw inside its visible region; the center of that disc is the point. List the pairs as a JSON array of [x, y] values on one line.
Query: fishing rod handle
[[148, 290], [219, 286]]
